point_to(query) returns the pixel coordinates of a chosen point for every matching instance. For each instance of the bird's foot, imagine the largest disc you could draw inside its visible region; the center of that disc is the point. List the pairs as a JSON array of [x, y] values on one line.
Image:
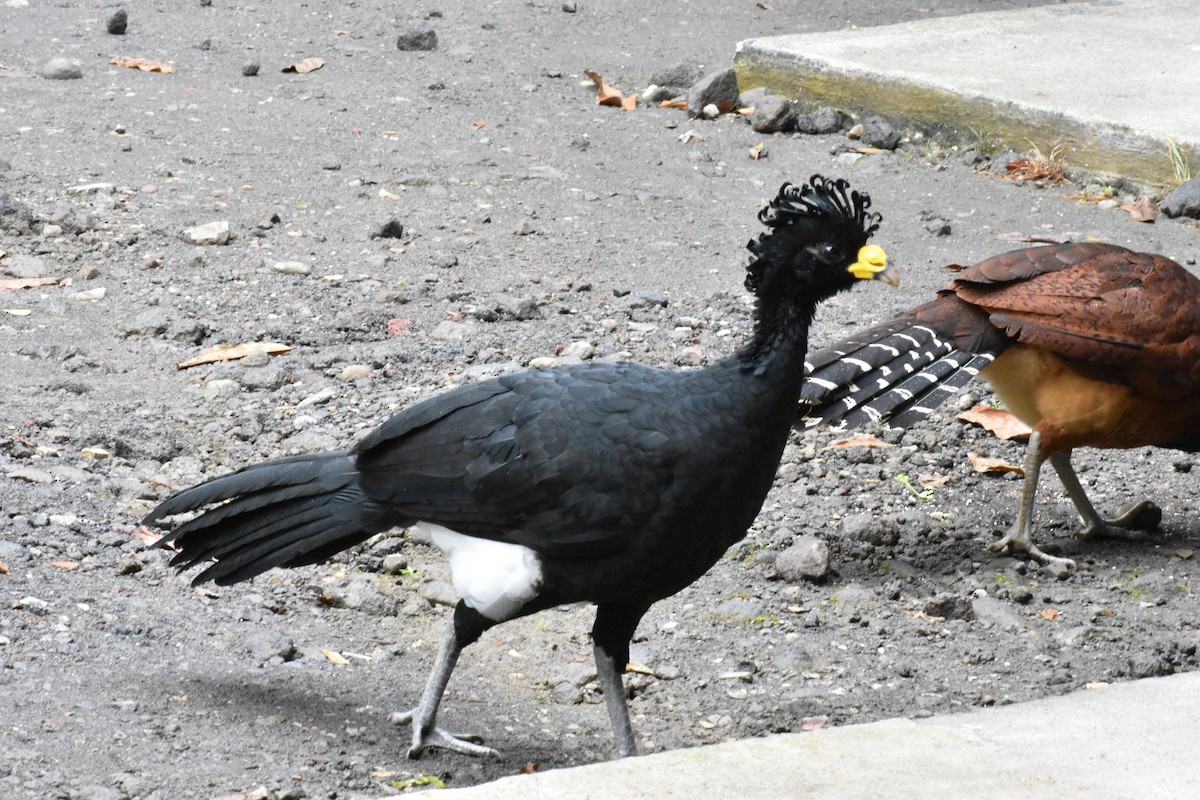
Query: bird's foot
[[427, 734], [1012, 545], [1133, 522]]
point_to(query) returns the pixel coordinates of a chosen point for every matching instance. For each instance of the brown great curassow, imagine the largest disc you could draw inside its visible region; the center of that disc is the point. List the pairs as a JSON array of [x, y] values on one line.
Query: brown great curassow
[[1091, 345], [613, 483]]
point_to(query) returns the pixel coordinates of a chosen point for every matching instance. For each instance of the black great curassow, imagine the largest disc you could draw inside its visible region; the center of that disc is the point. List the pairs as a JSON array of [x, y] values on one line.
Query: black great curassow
[[1091, 345], [617, 484]]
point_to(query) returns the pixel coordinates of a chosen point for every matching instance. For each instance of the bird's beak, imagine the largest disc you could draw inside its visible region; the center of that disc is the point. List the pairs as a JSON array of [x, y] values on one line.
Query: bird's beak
[[872, 265]]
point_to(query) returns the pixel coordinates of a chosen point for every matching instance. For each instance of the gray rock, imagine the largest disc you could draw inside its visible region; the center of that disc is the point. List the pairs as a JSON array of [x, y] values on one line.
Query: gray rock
[[392, 229], [992, 613], [416, 35], [208, 234], [118, 22], [250, 69], [676, 78], [878, 132], [949, 606], [265, 643], [772, 114], [806, 560], [1183, 200], [61, 69], [507, 307], [824, 120], [718, 88], [268, 378], [25, 266], [439, 593], [870, 528], [14, 215]]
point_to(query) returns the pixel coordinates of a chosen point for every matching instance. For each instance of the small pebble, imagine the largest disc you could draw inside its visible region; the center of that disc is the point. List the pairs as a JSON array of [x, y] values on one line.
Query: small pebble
[[117, 22], [61, 69], [250, 69]]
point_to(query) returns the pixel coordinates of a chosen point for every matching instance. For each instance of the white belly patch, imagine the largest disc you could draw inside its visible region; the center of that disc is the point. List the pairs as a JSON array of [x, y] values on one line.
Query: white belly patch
[[494, 578]]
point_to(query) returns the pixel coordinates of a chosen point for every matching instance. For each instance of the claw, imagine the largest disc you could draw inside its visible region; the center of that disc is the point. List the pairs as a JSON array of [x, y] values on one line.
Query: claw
[[1132, 523], [427, 735], [1014, 545]]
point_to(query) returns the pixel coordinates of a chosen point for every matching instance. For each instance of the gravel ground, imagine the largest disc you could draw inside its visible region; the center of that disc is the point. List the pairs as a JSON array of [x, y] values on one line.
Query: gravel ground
[[520, 222]]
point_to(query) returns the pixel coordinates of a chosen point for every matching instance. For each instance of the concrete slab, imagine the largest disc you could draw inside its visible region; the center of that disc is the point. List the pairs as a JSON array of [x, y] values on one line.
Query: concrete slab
[[1112, 81], [1122, 742]]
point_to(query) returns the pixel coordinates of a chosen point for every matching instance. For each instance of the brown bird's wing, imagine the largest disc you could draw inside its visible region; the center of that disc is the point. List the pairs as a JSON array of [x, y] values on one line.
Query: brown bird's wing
[[1095, 303]]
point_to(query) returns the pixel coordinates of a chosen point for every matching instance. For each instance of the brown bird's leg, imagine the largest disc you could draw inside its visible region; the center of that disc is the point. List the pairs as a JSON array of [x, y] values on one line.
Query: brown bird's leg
[[468, 625], [1020, 539], [1093, 524]]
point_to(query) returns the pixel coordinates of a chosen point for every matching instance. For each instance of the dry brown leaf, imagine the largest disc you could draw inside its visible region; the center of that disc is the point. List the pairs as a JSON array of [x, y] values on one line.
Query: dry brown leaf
[[144, 64], [150, 537], [1185, 553], [1050, 614], [4, 570], [640, 669], [932, 481], [1003, 423], [607, 95], [335, 657], [758, 151], [1142, 210], [678, 103], [9, 284], [530, 768], [858, 441], [992, 466], [65, 564], [307, 65], [232, 352]]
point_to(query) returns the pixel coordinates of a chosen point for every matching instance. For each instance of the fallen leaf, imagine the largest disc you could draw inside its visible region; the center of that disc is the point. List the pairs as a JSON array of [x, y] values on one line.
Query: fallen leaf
[[307, 65], [144, 64], [479, 124], [65, 564], [232, 352], [678, 103], [1142, 210], [1050, 614], [1003, 423], [758, 151], [8, 284], [530, 768], [607, 95], [765, 6], [335, 657], [640, 669], [1185, 553], [992, 466], [4, 570], [858, 441], [178, 698], [932, 481], [150, 537]]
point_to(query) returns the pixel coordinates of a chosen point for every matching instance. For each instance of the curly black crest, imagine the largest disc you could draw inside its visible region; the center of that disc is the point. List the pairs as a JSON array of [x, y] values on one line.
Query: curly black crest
[[820, 207]]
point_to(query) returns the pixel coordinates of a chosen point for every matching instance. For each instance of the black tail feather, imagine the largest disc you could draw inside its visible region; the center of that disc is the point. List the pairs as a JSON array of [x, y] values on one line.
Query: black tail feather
[[288, 512]]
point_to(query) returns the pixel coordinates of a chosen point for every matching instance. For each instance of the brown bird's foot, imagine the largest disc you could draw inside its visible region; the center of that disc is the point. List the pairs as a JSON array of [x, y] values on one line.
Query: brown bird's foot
[[426, 734], [1013, 544], [1134, 522]]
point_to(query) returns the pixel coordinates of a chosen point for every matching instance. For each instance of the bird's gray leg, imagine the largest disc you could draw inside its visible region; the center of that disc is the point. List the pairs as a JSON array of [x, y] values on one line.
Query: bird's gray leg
[[611, 633], [1136, 516], [1020, 538], [468, 625]]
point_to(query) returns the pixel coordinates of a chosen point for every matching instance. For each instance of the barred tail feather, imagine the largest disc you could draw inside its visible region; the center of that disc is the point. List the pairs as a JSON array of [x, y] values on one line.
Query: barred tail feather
[[897, 371]]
